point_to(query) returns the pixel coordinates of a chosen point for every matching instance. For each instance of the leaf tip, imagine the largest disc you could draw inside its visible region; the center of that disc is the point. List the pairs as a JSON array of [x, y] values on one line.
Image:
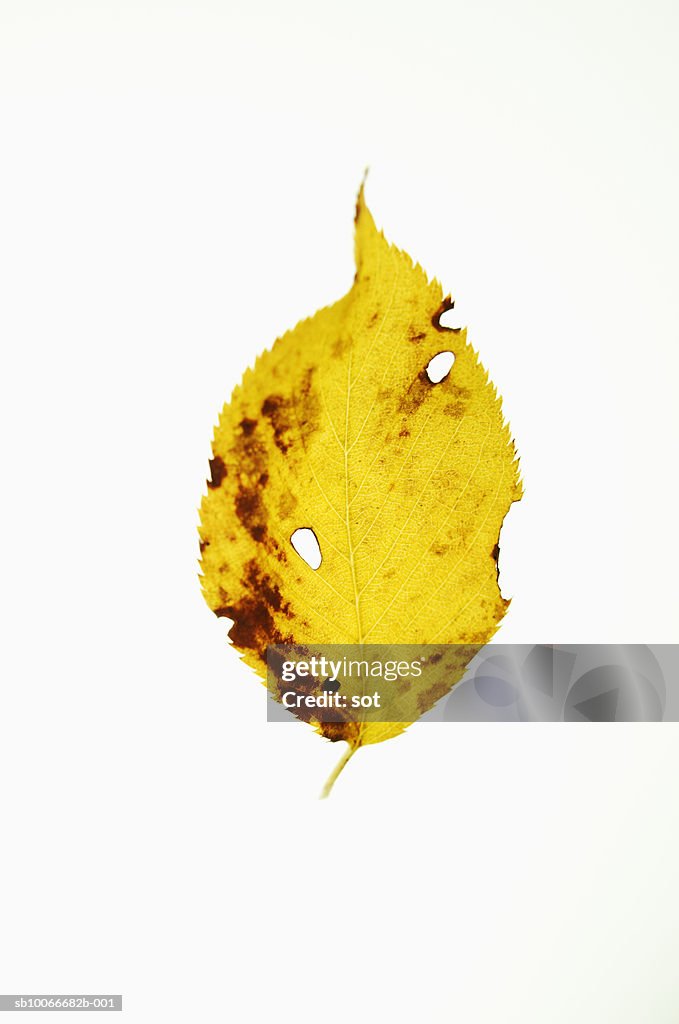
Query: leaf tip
[[360, 198]]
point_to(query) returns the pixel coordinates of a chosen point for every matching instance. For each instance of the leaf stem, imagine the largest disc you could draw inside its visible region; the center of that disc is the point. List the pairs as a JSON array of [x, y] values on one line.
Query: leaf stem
[[332, 778]]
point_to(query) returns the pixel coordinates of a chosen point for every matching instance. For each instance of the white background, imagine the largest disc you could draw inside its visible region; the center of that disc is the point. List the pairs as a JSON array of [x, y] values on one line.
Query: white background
[[177, 188]]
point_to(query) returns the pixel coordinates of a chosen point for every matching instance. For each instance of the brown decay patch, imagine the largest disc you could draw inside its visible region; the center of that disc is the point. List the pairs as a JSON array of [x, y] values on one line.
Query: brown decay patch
[[253, 612], [416, 336], [460, 399], [302, 686], [335, 731], [406, 684], [306, 408], [254, 627], [404, 432], [428, 697], [251, 455], [477, 639], [333, 717], [263, 583], [373, 319], [217, 472], [495, 555], [276, 410], [417, 392], [275, 660], [249, 507], [204, 544], [446, 304]]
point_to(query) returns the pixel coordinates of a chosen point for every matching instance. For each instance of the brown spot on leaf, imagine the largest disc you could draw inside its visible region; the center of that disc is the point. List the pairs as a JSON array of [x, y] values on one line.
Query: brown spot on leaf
[[217, 472], [277, 411], [460, 400], [416, 336], [250, 510], [248, 426], [250, 454], [262, 583], [418, 391], [335, 731], [428, 697], [307, 407]]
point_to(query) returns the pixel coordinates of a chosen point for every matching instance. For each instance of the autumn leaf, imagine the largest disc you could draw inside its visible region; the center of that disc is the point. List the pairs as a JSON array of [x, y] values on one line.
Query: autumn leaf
[[376, 428]]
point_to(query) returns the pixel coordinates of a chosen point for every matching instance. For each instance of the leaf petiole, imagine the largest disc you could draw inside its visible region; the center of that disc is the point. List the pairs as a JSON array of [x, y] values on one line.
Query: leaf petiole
[[332, 778]]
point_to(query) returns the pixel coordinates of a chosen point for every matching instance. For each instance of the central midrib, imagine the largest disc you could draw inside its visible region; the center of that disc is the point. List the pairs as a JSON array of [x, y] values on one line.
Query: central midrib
[[347, 519]]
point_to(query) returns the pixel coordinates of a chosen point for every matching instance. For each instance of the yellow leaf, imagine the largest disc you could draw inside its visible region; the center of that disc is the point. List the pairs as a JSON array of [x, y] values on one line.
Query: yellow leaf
[[403, 477]]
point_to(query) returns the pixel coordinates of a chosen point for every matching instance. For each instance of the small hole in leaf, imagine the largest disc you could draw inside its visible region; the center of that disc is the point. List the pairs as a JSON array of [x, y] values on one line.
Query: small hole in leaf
[[440, 366], [305, 543]]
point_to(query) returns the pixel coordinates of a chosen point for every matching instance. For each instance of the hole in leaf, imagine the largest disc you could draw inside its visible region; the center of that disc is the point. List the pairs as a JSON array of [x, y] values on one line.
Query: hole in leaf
[[305, 543], [451, 320], [440, 366]]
